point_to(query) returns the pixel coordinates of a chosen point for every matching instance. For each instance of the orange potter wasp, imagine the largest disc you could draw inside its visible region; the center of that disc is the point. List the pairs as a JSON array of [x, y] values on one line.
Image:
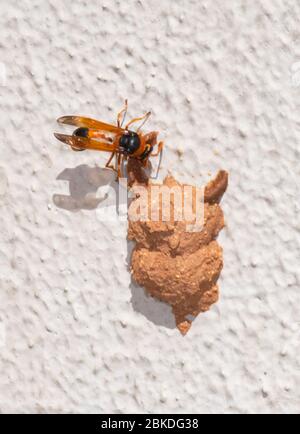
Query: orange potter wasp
[[122, 143]]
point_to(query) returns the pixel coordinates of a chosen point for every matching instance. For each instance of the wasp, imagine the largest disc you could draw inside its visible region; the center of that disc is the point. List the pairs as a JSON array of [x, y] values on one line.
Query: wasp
[[121, 143]]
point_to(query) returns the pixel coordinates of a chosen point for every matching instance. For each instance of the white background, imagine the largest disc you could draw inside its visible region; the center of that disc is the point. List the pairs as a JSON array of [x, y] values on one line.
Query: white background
[[223, 81]]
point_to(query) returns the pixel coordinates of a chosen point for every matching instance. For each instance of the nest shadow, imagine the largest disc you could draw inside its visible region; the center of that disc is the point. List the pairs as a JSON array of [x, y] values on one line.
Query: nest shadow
[[154, 310]]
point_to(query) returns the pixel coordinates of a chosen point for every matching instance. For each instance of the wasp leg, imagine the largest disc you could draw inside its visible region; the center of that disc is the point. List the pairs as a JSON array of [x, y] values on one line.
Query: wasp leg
[[119, 171], [123, 113], [159, 154], [142, 118], [160, 147], [108, 165]]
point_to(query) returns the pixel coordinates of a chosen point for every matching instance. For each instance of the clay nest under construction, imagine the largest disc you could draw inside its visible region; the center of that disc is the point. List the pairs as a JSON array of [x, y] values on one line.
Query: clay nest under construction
[[174, 265]]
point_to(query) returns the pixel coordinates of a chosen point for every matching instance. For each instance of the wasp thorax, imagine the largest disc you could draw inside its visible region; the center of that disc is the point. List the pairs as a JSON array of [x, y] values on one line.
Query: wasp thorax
[[130, 142]]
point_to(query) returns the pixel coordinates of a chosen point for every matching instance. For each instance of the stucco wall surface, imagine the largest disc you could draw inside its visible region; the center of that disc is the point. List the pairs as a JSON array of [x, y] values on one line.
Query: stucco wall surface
[[222, 79]]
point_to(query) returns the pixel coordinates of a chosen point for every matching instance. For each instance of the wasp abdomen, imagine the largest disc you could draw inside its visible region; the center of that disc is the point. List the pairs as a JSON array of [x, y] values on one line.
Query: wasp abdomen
[[81, 132]]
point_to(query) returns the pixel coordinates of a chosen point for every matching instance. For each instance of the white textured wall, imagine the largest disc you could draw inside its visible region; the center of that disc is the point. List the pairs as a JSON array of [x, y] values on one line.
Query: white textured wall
[[223, 82]]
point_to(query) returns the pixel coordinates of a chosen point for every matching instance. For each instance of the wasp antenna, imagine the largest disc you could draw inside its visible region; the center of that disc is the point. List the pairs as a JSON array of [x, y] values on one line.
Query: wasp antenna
[[146, 117]]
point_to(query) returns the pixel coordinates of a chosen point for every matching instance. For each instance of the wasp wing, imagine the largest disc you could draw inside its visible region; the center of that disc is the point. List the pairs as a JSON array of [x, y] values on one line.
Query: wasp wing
[[79, 121], [82, 143]]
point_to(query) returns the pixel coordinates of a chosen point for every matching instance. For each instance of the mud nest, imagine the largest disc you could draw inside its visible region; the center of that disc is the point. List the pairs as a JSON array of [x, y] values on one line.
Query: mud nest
[[174, 265]]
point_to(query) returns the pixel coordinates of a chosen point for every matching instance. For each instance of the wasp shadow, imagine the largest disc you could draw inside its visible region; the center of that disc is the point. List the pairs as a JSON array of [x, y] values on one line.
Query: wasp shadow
[[154, 310], [84, 184]]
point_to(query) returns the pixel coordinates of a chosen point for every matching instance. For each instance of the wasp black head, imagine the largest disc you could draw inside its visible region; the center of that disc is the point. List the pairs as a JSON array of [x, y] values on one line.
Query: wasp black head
[[81, 132], [129, 142]]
